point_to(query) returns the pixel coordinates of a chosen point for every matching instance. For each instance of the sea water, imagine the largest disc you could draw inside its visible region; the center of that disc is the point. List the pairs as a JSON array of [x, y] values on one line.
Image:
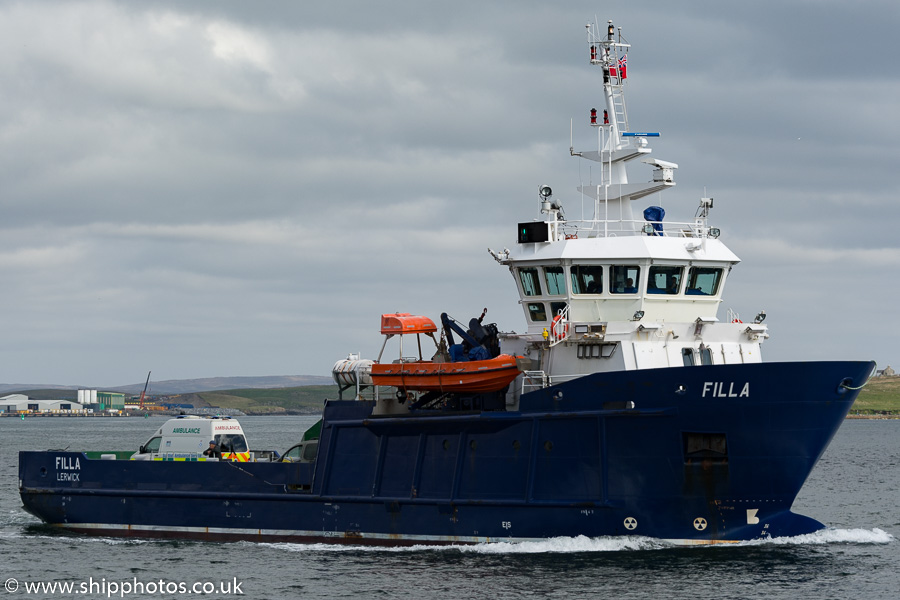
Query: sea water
[[854, 489]]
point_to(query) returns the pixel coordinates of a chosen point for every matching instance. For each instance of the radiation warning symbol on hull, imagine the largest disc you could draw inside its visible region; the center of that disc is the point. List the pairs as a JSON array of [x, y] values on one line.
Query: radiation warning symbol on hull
[[699, 523], [630, 523]]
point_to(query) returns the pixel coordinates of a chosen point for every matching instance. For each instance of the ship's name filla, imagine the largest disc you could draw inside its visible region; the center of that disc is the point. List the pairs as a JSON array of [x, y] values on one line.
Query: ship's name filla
[[68, 463], [726, 389], [64, 467]]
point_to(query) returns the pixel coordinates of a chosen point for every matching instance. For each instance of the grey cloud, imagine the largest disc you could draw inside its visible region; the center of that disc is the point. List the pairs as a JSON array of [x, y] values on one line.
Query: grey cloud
[[240, 189]]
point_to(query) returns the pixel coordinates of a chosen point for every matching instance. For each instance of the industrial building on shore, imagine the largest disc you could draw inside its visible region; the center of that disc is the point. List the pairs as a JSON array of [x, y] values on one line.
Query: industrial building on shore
[[89, 402], [20, 403]]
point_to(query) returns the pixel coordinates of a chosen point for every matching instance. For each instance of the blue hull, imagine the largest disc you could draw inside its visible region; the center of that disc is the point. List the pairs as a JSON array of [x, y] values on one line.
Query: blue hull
[[696, 455]]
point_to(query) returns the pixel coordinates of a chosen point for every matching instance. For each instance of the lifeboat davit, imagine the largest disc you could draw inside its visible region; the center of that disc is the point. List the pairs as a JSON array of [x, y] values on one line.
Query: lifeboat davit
[[490, 374]]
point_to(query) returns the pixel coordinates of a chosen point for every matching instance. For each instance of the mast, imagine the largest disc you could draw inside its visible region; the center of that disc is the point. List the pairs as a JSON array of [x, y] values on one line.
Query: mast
[[611, 56], [616, 144]]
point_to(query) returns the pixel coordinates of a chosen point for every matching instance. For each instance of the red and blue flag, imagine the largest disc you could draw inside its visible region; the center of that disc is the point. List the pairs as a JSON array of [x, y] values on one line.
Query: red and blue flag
[[620, 69]]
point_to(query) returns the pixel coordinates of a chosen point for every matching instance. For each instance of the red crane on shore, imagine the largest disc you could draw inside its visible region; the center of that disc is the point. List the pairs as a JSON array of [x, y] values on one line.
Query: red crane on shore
[[145, 389]]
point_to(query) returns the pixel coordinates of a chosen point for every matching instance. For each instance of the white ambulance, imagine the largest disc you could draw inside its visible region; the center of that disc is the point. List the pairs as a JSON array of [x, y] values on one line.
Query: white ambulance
[[188, 436]]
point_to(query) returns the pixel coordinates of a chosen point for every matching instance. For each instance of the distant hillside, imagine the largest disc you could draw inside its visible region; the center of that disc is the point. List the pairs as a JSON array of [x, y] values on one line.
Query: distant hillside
[[208, 384], [176, 386], [305, 399], [11, 388]]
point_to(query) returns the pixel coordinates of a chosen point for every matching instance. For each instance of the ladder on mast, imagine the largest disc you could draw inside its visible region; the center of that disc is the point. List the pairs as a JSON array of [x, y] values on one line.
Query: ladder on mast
[[618, 98]]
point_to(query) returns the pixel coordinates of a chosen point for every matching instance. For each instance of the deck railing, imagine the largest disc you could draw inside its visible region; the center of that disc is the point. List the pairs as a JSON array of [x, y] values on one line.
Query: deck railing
[[619, 227], [536, 380]]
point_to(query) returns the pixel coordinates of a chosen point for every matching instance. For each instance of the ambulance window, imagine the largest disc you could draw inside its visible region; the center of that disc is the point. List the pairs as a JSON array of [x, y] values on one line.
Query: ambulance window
[[703, 281], [152, 445], [624, 279], [231, 443], [664, 280], [556, 281], [531, 285], [587, 279], [293, 454], [310, 450], [537, 311]]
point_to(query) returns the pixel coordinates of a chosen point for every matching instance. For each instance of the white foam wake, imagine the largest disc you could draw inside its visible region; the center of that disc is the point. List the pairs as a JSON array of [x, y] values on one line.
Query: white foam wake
[[553, 545], [569, 544], [604, 544], [831, 536]]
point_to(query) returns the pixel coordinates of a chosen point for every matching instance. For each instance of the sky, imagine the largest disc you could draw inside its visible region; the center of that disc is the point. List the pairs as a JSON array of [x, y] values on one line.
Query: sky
[[242, 189]]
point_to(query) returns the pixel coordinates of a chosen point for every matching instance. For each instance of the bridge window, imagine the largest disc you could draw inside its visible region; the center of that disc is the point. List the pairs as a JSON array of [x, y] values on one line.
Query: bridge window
[[587, 279], [556, 281], [531, 285], [664, 280], [556, 308], [687, 355], [705, 355], [624, 279], [537, 311], [703, 281]]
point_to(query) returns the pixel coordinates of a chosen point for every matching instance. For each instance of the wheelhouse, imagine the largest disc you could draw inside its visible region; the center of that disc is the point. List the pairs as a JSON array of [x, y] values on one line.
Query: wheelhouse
[[592, 290]]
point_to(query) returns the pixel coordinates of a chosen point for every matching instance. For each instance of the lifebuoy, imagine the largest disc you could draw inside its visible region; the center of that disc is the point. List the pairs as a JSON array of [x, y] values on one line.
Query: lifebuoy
[[737, 321], [559, 329]]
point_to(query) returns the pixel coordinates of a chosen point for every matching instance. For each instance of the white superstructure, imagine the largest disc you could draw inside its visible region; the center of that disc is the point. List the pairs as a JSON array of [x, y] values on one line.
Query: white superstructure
[[622, 288]]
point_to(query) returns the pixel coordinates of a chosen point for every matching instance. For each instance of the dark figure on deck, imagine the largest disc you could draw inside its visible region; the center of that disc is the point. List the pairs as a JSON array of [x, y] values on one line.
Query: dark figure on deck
[[213, 450]]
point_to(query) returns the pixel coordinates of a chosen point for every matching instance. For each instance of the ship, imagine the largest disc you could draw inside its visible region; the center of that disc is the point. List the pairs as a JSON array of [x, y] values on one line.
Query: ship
[[631, 407]]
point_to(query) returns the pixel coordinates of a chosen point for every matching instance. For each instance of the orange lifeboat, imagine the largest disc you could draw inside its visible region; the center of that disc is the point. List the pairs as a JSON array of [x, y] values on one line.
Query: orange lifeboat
[[400, 323], [473, 376], [476, 376]]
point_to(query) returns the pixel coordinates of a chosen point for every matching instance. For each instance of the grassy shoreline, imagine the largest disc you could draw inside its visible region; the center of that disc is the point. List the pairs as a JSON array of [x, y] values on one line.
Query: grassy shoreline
[[879, 399]]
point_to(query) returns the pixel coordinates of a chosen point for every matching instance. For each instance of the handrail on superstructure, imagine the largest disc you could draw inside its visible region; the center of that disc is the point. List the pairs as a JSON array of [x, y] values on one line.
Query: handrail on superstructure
[[560, 327], [537, 380], [686, 229]]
